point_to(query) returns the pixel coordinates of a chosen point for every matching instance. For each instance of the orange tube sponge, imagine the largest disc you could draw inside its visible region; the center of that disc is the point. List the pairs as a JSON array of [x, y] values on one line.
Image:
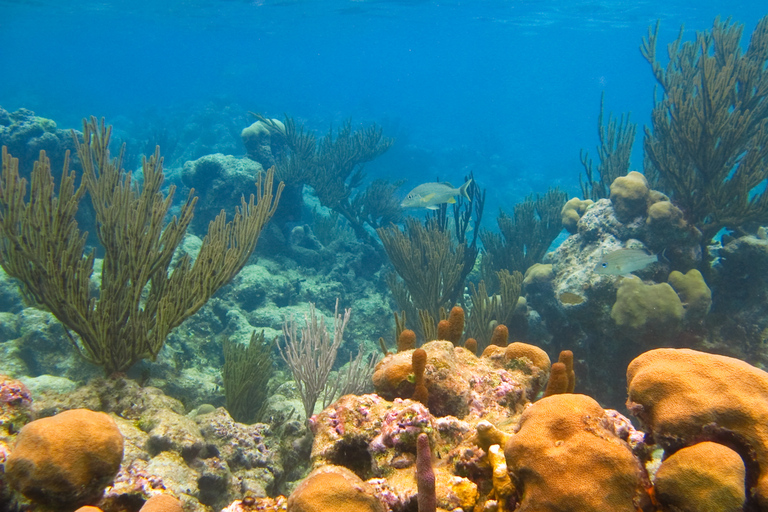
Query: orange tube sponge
[[444, 330], [558, 380], [566, 357], [406, 340], [684, 396], [471, 345], [500, 336], [419, 362], [563, 457], [456, 325]]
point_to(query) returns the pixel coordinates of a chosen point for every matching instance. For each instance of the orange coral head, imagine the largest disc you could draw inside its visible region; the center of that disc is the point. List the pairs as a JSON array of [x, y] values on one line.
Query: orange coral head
[[566, 357], [443, 330], [419, 363], [471, 345], [500, 336], [456, 328], [406, 341], [558, 380]]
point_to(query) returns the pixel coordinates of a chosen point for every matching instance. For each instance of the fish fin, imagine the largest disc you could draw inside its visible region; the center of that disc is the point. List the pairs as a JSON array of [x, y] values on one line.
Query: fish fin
[[463, 189], [427, 198], [451, 201], [433, 207]]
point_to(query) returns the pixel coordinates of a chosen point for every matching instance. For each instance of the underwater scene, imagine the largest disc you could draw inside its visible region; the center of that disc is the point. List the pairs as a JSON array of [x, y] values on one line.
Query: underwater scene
[[384, 256]]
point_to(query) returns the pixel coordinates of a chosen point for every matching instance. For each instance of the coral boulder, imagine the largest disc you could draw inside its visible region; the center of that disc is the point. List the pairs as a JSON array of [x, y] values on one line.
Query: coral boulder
[[66, 460]]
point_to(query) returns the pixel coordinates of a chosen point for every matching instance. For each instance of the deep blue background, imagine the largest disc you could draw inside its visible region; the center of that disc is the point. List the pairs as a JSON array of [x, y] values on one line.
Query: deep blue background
[[510, 89]]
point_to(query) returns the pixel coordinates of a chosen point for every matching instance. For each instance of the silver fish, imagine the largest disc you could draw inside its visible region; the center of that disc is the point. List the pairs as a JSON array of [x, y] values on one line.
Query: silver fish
[[624, 261], [432, 195]]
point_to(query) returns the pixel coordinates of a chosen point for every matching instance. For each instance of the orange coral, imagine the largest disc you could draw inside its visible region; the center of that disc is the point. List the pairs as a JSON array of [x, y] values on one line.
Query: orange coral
[[564, 458], [66, 460], [685, 396], [534, 354], [705, 477], [334, 489]]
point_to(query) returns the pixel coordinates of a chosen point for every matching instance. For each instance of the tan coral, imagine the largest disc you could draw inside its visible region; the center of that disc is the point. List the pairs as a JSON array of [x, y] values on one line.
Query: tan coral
[[684, 396], [647, 312], [564, 457], [705, 477], [334, 489], [693, 292], [572, 211], [67, 459], [629, 196]]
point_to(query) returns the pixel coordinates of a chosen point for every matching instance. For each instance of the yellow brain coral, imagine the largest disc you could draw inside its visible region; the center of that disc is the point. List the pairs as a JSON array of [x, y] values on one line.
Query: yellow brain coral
[[705, 477], [564, 458], [684, 396], [629, 196], [644, 310]]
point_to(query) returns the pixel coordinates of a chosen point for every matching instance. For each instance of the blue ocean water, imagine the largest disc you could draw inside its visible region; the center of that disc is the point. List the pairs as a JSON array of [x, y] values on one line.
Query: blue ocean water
[[508, 89]]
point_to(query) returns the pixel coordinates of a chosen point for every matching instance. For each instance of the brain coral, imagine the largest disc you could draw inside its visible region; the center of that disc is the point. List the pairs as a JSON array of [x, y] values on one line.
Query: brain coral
[[647, 309], [333, 489], [705, 477], [66, 460], [684, 397], [565, 457], [629, 196]]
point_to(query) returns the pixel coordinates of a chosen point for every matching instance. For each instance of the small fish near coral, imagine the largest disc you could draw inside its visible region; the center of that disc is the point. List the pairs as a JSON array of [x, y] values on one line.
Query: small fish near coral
[[432, 195], [622, 262]]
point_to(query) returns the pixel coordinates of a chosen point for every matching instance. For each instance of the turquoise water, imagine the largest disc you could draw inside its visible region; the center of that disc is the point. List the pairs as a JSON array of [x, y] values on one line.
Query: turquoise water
[[510, 90]]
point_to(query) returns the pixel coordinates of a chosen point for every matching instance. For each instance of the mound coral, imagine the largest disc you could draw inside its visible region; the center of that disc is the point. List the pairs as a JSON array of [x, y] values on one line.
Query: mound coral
[[566, 457], [643, 310], [334, 489], [705, 477], [629, 195], [683, 397], [67, 459]]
